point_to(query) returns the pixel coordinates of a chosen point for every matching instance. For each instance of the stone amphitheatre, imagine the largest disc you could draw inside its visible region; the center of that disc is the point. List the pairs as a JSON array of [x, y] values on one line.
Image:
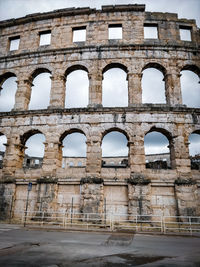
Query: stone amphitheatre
[[95, 186]]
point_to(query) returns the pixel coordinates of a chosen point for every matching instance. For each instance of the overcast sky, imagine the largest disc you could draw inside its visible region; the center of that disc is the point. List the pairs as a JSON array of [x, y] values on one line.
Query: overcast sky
[[189, 9], [153, 86]]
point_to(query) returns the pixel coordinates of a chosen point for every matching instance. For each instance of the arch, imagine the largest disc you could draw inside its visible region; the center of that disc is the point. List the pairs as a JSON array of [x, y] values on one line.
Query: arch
[[155, 65], [115, 65], [75, 67], [8, 88], [28, 134], [39, 71], [6, 76], [159, 149], [73, 144], [192, 68], [34, 149], [115, 129], [70, 131], [40, 93], [77, 87], [190, 86], [153, 85], [115, 152], [194, 149], [163, 131]]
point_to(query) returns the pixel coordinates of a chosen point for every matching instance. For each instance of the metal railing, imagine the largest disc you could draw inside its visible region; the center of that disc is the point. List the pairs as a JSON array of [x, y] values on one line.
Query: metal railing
[[110, 221]]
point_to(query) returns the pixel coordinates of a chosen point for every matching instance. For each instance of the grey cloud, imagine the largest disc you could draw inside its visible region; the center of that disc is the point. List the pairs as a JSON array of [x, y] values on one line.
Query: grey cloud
[[77, 86], [74, 145], [7, 94], [114, 144], [153, 90], [190, 89], [40, 92], [35, 146], [194, 146], [115, 88], [3, 140], [155, 142]]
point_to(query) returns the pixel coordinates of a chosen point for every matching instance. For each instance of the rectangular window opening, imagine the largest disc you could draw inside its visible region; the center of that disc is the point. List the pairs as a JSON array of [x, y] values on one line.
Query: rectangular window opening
[[79, 34], [14, 43], [45, 38], [37, 162], [114, 31], [185, 33], [79, 164], [71, 164], [150, 31]]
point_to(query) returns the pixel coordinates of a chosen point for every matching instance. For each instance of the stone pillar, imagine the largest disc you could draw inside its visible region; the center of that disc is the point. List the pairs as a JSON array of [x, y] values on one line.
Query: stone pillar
[[92, 196], [7, 193], [52, 158], [95, 89], [181, 155], [57, 96], [23, 94], [14, 156], [139, 196], [173, 88], [134, 88], [93, 161], [136, 153], [186, 194]]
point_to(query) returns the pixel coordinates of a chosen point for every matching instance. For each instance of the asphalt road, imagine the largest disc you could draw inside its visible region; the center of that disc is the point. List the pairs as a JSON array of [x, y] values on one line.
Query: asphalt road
[[37, 248]]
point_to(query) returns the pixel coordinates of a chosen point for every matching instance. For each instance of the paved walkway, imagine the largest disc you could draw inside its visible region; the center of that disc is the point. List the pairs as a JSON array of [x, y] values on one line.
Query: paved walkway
[[20, 247]]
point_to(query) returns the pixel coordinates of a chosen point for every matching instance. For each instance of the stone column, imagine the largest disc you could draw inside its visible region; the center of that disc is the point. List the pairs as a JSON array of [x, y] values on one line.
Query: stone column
[[23, 94], [92, 196], [136, 153], [14, 156], [181, 155], [95, 89], [173, 88], [57, 96], [139, 196], [134, 88], [52, 157], [93, 161], [186, 194]]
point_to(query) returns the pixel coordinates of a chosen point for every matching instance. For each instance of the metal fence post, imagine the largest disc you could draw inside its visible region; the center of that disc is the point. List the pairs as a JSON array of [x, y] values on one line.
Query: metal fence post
[[136, 223], [161, 223], [190, 225], [164, 227]]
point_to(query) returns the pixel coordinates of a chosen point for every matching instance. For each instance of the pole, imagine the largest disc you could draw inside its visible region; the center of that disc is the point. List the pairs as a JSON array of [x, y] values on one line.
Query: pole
[[72, 209], [29, 189], [105, 210], [11, 207]]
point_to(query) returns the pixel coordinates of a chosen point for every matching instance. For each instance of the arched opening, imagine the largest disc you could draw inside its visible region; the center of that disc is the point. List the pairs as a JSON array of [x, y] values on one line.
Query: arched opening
[[40, 93], [115, 86], [153, 85], [114, 149], [194, 150], [3, 142], [73, 149], [8, 88], [34, 149], [190, 87], [158, 150], [77, 87]]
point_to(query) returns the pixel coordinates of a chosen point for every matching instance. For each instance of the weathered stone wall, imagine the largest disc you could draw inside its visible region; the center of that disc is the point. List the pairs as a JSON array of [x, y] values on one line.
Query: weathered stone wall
[[53, 186]]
